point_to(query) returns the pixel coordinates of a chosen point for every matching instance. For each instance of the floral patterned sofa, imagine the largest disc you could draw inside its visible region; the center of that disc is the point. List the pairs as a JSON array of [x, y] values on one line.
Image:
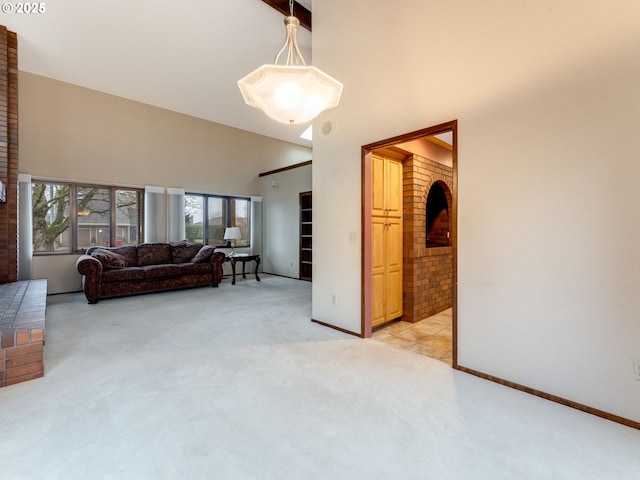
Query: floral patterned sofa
[[148, 267]]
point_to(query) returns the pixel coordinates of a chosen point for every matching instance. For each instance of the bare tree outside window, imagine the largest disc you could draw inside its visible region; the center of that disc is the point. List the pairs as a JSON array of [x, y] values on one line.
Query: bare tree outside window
[[96, 221], [50, 217], [94, 217], [194, 213], [127, 217]]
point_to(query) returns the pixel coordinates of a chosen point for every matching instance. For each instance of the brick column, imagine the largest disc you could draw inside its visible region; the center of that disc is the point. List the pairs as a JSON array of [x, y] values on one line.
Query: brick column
[[427, 272], [9, 155]]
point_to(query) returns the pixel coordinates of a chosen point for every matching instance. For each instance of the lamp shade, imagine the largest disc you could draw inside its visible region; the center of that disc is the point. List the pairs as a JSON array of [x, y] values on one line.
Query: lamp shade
[[232, 233], [290, 93]]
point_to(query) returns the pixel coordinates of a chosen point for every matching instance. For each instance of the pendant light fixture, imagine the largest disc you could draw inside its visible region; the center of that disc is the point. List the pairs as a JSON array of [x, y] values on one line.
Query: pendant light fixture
[[294, 92]]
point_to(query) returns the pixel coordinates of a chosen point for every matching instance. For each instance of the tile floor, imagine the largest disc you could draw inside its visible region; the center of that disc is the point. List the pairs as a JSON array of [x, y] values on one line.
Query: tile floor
[[431, 337]]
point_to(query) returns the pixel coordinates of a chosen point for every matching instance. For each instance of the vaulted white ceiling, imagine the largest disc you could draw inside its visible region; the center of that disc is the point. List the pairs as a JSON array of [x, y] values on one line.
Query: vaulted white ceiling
[[183, 56]]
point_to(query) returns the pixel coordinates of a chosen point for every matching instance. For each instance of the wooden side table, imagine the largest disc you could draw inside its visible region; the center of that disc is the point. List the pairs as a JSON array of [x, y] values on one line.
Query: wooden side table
[[244, 259]]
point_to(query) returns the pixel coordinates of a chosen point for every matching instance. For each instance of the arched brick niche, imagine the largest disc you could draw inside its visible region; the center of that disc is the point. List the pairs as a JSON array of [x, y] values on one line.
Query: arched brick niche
[[437, 215], [428, 262]]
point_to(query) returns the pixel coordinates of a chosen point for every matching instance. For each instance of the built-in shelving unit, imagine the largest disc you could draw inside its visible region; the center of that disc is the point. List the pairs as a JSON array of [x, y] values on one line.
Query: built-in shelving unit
[[306, 236]]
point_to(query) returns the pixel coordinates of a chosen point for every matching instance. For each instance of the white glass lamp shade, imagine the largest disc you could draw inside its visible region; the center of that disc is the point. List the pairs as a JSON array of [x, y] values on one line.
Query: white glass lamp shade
[[290, 93], [232, 233]]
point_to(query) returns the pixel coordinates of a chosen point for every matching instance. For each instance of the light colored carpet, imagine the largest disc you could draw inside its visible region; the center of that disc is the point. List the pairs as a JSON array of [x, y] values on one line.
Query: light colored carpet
[[237, 383]]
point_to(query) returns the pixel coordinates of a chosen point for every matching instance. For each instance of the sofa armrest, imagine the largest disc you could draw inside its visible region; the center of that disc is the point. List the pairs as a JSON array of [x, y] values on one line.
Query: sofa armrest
[[217, 259], [88, 265], [91, 270]]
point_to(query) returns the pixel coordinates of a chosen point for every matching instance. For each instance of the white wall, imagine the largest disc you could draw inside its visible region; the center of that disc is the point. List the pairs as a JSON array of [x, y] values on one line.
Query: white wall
[[73, 133], [281, 226], [547, 95]]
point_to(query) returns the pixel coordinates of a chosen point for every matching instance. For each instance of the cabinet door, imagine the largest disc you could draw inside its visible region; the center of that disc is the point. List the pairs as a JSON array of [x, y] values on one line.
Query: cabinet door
[[393, 188], [386, 269], [386, 185], [378, 194], [394, 268], [378, 271]]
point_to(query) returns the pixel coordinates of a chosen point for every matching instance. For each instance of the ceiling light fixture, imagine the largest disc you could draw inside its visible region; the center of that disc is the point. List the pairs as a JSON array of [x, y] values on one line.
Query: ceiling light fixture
[[291, 93]]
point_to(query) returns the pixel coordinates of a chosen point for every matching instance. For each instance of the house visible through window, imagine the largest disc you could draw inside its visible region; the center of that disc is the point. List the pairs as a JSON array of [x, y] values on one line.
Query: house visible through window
[[97, 216], [207, 216]]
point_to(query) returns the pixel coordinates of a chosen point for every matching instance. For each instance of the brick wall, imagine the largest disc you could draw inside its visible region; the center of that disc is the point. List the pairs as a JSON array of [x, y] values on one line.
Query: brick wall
[[428, 270], [22, 304], [9, 155]]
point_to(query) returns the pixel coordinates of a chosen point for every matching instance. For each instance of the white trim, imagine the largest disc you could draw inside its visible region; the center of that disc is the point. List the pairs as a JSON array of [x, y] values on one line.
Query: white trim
[[153, 189], [39, 178]]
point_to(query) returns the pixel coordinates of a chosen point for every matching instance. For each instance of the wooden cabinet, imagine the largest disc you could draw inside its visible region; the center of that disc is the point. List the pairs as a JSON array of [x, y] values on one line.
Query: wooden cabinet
[[386, 229], [306, 236], [387, 186]]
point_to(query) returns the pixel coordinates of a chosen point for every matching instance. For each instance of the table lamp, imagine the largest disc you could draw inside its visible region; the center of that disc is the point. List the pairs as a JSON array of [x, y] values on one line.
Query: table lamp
[[233, 234]]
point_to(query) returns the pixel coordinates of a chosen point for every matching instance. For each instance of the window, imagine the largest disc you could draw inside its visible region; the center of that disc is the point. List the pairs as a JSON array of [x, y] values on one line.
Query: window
[[207, 216], [51, 217], [97, 215], [216, 220], [239, 215]]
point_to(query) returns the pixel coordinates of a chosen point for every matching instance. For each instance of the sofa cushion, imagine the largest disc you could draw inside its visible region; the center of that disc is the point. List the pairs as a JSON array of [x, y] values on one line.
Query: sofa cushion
[[204, 254], [184, 252], [109, 259], [161, 271], [153, 254], [195, 268], [123, 275], [129, 252]]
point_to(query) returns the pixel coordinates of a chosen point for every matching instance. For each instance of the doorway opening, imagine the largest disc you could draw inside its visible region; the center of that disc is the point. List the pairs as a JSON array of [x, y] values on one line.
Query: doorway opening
[[429, 242]]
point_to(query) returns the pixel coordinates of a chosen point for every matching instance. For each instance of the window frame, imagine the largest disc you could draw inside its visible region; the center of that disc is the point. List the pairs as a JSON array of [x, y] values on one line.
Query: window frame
[[228, 210], [74, 249]]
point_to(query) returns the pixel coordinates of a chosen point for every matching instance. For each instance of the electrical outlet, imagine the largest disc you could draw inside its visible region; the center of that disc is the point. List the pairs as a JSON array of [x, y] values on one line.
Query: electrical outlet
[[334, 301], [636, 369]]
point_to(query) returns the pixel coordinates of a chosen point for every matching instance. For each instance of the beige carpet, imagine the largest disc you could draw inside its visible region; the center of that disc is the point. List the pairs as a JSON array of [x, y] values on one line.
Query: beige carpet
[[237, 383]]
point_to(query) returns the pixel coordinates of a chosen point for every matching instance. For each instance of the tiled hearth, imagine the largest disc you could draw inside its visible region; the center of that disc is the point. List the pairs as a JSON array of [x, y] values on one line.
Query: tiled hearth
[[431, 337], [22, 319]]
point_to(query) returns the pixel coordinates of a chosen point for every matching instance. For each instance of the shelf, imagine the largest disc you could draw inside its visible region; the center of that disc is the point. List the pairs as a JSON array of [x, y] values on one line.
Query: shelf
[[306, 236]]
